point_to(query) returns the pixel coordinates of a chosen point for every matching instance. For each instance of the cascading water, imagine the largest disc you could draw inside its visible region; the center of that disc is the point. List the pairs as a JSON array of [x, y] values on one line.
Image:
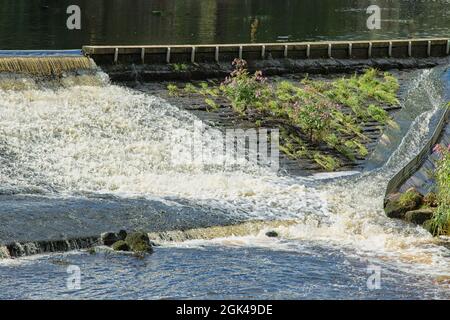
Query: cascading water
[[85, 137]]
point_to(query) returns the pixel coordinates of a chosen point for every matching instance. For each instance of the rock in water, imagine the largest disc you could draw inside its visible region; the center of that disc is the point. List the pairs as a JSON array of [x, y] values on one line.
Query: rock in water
[[398, 204], [16, 249], [120, 245], [272, 234], [419, 216], [109, 238], [122, 235], [139, 242]]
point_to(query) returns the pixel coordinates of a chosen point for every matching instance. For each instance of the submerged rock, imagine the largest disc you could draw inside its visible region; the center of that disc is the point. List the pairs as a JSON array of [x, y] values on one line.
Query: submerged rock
[[16, 249], [399, 204], [109, 238], [121, 245], [272, 234], [419, 216], [139, 242], [122, 235]]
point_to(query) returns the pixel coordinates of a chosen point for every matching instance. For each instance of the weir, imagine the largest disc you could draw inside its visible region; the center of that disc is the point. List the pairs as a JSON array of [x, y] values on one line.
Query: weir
[[28, 248], [215, 53], [44, 65], [80, 143], [416, 173]]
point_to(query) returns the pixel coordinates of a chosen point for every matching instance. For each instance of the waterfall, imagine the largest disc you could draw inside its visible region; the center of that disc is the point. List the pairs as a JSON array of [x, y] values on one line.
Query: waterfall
[[45, 65]]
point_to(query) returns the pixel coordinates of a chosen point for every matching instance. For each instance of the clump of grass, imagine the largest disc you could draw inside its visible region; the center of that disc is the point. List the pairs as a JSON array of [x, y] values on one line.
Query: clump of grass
[[411, 198], [440, 223], [179, 67], [314, 107]]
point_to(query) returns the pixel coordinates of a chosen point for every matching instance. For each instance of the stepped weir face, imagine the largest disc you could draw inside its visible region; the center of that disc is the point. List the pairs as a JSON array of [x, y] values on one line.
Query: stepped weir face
[[80, 155], [44, 66]]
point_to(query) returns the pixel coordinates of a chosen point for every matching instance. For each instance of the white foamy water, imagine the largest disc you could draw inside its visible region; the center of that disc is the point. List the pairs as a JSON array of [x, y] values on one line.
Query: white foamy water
[[109, 139]]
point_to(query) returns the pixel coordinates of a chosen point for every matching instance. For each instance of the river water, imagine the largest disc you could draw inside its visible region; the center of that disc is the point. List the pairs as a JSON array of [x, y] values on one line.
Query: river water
[[41, 24], [83, 154]]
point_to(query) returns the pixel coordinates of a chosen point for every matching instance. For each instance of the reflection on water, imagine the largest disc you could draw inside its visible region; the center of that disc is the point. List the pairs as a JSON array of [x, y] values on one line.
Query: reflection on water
[[41, 24]]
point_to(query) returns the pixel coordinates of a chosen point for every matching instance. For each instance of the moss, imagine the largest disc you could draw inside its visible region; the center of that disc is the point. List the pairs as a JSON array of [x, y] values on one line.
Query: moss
[[400, 204], [419, 216], [120, 245], [138, 242]]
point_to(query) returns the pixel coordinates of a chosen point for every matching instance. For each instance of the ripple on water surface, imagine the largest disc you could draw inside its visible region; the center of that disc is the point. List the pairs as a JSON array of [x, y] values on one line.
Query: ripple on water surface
[[215, 272]]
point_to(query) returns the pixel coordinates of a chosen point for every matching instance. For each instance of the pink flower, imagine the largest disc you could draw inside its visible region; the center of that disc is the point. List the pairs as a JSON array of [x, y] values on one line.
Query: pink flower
[[438, 149]]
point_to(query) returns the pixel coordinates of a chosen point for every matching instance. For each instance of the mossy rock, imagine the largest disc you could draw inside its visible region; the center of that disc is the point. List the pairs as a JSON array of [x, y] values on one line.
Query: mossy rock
[[399, 204], [122, 234], [108, 238], [411, 198], [419, 216], [139, 242], [121, 245]]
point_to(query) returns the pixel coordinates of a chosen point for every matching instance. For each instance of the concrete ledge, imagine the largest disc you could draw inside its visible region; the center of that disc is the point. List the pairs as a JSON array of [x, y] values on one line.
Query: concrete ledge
[[157, 54], [410, 169]]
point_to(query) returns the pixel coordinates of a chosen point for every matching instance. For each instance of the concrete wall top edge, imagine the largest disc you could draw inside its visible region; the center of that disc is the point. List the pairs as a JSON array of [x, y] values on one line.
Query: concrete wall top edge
[[251, 46]]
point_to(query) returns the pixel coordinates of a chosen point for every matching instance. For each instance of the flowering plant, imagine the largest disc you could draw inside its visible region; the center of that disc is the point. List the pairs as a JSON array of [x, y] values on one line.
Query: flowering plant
[[440, 223]]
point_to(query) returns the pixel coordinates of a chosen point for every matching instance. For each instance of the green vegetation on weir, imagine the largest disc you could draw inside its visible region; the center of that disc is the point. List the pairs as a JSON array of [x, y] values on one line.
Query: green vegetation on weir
[[311, 113]]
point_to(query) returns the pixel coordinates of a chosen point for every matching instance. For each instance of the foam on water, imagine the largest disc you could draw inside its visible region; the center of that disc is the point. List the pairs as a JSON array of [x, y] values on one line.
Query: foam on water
[[100, 138]]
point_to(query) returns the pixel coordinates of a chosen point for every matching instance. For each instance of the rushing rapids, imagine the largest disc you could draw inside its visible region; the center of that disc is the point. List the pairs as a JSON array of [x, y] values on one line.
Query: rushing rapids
[[82, 137]]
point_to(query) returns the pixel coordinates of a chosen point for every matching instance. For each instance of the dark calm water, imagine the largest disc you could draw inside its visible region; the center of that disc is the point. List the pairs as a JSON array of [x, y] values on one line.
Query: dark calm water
[[41, 24]]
